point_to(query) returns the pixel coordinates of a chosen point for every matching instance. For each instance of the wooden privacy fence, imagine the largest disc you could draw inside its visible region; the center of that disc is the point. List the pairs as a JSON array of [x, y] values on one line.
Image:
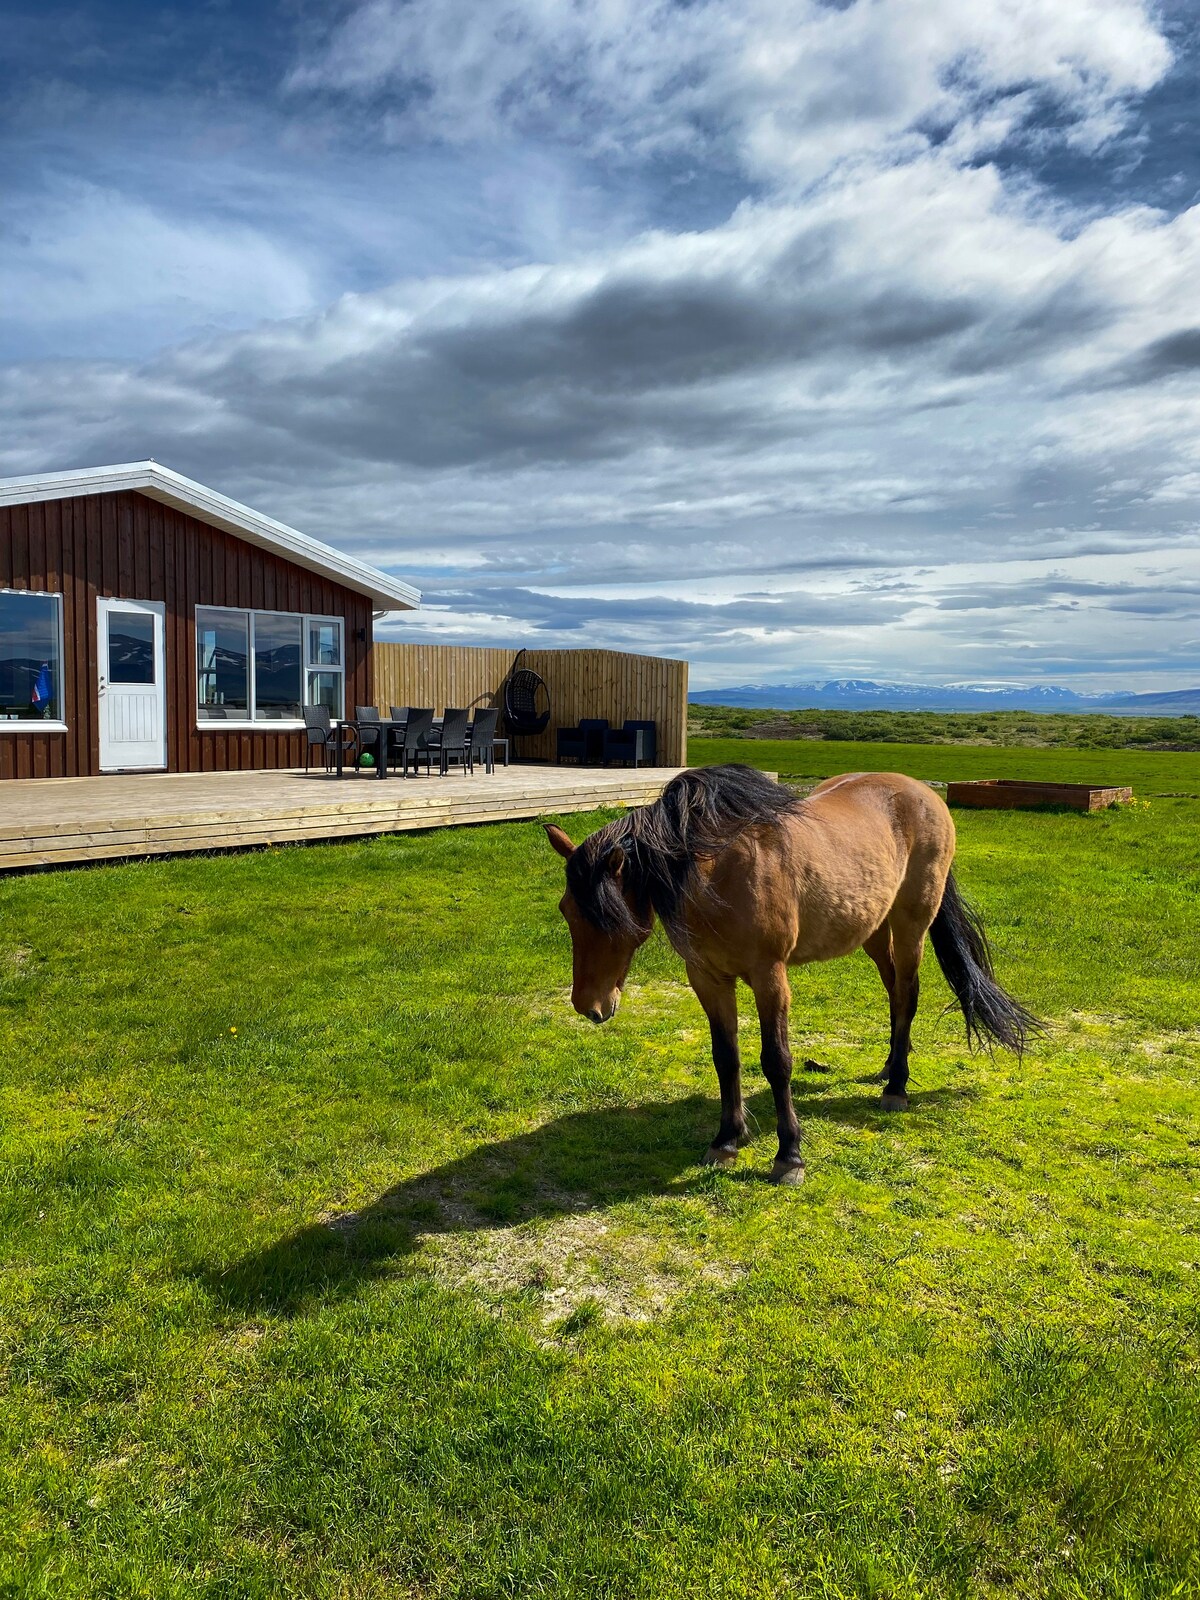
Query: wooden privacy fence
[[582, 683]]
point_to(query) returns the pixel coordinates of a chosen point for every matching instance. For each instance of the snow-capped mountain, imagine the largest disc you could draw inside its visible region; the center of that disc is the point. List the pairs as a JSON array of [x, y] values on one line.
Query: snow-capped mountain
[[863, 694]]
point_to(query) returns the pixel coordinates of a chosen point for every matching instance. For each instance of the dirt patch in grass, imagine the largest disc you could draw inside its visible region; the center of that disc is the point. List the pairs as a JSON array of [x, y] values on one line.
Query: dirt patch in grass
[[561, 1267], [563, 1261], [1099, 1021], [1182, 1042], [1174, 1041]]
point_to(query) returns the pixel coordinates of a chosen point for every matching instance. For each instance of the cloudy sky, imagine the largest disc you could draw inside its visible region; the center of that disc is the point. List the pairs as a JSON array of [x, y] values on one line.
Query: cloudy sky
[[801, 339]]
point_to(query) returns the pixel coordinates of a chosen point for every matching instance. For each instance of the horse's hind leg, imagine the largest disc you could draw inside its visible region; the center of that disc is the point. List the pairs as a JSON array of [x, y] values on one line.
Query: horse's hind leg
[[718, 996], [879, 948], [908, 946], [773, 996]]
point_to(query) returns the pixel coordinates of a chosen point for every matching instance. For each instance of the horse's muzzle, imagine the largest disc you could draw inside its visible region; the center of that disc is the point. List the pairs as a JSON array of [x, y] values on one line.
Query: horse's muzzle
[[601, 1010]]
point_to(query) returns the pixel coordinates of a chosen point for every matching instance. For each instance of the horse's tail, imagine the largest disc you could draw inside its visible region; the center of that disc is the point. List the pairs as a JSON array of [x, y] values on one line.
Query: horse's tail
[[961, 947]]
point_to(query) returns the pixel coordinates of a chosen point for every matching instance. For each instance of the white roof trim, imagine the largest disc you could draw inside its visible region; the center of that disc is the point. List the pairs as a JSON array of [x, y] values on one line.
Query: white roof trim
[[160, 483]]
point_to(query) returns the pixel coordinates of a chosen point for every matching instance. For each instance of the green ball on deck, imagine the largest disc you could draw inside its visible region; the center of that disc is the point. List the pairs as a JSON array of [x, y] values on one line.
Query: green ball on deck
[[366, 759]]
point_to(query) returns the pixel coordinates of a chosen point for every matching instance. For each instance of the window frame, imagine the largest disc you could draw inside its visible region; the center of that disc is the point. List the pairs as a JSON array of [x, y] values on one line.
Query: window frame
[[39, 724], [250, 722]]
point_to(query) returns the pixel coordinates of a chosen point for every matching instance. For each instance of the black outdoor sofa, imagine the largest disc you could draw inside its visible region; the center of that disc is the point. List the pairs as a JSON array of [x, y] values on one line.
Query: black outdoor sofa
[[593, 742]]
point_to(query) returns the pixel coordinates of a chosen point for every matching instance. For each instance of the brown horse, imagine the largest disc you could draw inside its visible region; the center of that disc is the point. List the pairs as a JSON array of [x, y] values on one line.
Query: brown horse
[[749, 880]]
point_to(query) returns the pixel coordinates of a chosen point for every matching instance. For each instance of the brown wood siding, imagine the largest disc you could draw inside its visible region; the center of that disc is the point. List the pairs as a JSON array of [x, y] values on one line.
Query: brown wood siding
[[127, 546]]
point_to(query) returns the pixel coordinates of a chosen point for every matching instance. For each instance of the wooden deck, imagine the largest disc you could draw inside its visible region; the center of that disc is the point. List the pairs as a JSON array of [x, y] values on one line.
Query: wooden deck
[[57, 821]]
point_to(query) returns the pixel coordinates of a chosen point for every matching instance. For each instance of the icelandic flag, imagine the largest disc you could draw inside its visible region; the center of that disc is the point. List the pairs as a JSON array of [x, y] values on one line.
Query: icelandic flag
[[43, 690]]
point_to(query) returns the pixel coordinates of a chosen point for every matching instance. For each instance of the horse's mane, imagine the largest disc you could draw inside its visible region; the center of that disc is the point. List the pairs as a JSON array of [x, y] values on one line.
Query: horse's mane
[[697, 814]]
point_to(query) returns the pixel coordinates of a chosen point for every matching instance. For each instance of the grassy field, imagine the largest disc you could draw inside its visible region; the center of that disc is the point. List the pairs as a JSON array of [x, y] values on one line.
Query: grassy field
[[1032, 729], [1150, 773], [341, 1259]]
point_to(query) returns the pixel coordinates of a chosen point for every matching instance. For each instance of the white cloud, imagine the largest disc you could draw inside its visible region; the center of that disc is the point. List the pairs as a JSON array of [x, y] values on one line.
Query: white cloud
[[819, 343], [791, 86], [906, 342], [90, 260]]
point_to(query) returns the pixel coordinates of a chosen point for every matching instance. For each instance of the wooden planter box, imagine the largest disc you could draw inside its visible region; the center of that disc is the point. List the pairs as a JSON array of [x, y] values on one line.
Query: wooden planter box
[[1011, 794]]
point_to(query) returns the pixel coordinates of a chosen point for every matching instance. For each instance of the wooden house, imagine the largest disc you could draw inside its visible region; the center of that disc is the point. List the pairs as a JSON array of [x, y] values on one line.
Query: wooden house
[[149, 624]]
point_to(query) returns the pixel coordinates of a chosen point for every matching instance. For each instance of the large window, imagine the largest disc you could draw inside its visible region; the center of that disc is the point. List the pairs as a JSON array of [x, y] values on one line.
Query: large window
[[266, 666], [31, 657]]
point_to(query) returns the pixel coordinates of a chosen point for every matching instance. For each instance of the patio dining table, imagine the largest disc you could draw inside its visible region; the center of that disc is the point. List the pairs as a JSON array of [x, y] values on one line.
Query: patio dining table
[[385, 725]]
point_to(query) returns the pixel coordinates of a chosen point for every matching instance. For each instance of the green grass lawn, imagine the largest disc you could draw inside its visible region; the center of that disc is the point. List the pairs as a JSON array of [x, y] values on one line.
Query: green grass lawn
[[341, 1259], [1149, 772]]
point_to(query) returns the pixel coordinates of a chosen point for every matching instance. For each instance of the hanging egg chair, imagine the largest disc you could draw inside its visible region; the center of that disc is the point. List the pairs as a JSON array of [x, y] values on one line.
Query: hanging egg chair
[[526, 703]]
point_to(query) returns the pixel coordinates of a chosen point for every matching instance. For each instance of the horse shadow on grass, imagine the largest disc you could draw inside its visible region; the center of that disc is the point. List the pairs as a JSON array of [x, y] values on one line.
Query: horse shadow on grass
[[582, 1162]]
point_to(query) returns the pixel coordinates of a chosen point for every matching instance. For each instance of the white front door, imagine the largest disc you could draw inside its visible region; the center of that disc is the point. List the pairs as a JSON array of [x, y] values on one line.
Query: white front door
[[133, 688]]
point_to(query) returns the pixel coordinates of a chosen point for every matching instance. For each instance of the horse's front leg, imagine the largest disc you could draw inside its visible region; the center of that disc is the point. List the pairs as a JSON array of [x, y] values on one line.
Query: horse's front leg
[[773, 995], [718, 995]]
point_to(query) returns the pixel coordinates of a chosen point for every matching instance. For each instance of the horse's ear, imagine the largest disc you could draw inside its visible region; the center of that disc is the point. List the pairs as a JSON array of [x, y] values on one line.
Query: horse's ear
[[560, 841], [615, 862]]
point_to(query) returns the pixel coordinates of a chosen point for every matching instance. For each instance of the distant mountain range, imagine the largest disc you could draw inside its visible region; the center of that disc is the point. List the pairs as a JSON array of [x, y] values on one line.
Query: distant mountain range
[[862, 694]]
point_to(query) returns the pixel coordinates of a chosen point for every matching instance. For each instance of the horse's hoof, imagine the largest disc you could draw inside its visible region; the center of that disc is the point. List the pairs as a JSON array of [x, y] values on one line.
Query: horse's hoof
[[716, 1157], [789, 1172], [893, 1102]]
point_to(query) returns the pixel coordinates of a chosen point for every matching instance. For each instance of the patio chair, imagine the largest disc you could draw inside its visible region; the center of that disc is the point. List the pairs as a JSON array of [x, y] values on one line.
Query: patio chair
[[482, 745], [584, 743], [323, 736], [452, 743], [398, 713], [636, 742], [412, 742], [368, 736]]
